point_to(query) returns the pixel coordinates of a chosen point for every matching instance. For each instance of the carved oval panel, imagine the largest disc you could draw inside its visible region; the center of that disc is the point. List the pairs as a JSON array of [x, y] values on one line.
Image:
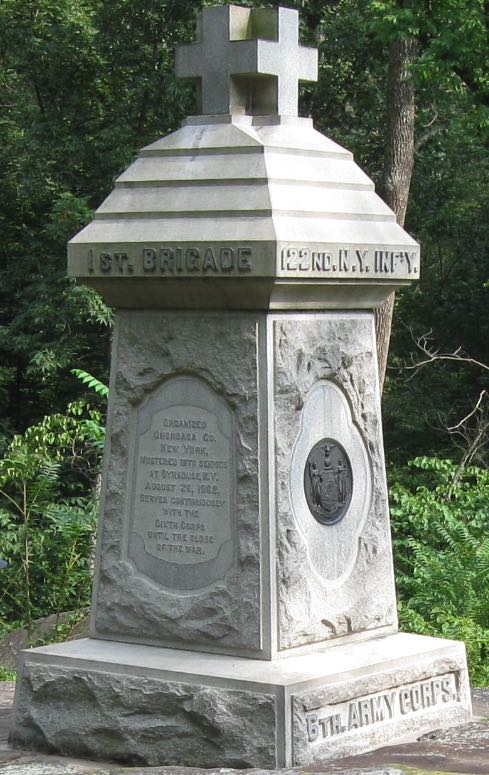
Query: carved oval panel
[[182, 486], [330, 482]]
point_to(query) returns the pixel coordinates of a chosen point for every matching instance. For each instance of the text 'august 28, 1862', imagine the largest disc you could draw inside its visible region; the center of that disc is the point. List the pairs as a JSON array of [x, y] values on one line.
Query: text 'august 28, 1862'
[[183, 480]]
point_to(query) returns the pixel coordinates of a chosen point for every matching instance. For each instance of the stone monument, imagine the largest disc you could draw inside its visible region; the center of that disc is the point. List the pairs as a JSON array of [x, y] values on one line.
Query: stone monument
[[244, 610]]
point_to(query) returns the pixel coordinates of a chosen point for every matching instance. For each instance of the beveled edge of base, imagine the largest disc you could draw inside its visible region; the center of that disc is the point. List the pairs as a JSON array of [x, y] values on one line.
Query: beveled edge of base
[[349, 659]]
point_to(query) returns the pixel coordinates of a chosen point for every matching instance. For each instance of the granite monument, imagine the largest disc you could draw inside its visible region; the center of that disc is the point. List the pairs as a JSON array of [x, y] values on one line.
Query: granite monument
[[244, 610]]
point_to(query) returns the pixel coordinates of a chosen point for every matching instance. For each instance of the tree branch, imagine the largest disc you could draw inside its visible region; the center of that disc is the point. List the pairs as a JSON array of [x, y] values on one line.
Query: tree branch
[[432, 354], [462, 422]]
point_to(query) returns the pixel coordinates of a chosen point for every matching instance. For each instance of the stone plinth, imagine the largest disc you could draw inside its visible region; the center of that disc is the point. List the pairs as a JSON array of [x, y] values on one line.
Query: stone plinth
[[154, 706]]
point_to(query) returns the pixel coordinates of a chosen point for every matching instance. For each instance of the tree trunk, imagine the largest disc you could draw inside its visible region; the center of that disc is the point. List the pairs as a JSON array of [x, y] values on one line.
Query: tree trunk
[[398, 165]]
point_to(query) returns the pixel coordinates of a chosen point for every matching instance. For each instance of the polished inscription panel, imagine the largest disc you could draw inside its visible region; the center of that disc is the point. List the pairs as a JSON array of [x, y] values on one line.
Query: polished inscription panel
[[183, 486], [328, 481]]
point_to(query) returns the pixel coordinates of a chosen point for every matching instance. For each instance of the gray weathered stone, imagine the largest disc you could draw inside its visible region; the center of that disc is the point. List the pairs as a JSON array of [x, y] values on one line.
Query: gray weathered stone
[[244, 606], [135, 719], [291, 205], [360, 714], [219, 352], [235, 45], [334, 580], [149, 705]]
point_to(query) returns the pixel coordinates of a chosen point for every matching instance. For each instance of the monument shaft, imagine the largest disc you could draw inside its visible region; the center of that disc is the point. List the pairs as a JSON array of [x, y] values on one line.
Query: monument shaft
[[204, 445]]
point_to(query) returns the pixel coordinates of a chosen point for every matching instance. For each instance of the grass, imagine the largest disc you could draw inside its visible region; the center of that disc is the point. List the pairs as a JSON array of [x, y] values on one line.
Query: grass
[[6, 674]]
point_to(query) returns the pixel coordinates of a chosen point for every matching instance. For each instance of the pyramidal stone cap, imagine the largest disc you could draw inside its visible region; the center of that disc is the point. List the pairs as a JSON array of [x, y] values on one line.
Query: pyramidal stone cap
[[239, 210]]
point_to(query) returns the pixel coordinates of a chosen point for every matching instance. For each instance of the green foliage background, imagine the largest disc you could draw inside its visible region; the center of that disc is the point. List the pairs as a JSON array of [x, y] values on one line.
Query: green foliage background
[[83, 85], [48, 506], [441, 547]]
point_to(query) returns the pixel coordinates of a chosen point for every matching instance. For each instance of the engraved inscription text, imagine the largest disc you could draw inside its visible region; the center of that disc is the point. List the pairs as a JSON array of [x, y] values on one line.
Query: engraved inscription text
[[183, 480], [381, 707]]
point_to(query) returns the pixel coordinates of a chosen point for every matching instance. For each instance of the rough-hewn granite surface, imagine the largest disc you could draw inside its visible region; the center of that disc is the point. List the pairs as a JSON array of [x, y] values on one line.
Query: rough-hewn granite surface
[[226, 351], [221, 349], [463, 749], [371, 736], [143, 721], [336, 348]]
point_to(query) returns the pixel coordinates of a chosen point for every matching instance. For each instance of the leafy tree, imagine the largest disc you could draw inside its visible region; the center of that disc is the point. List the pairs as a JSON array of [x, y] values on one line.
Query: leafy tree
[[426, 41], [82, 86], [45, 321], [449, 204], [441, 546], [48, 504]]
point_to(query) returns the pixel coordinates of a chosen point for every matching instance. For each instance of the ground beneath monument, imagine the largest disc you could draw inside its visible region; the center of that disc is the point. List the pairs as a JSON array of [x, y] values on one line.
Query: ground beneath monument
[[463, 749]]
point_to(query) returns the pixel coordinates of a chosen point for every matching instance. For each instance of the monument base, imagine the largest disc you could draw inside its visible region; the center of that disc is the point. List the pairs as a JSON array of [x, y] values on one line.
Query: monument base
[[155, 706]]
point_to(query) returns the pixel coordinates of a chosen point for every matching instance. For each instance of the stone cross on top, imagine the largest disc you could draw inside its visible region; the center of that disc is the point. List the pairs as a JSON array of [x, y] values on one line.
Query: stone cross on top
[[248, 60]]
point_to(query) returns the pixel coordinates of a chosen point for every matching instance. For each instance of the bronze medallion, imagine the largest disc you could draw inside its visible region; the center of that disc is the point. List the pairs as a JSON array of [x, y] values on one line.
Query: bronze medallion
[[328, 481]]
